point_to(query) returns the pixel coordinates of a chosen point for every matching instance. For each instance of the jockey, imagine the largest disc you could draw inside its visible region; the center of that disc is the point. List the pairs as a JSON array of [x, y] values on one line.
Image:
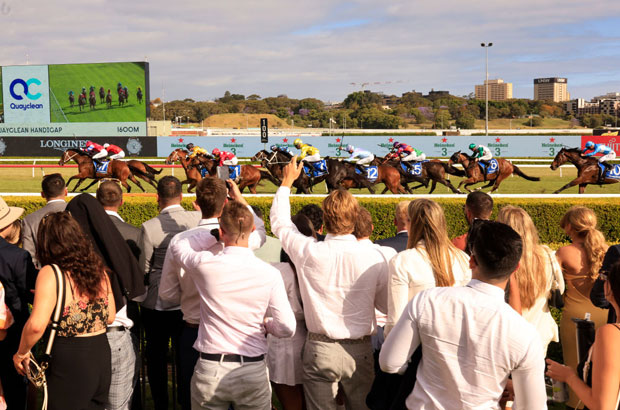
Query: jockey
[[225, 157], [608, 155], [283, 148], [408, 154], [308, 152], [195, 150], [114, 151], [95, 151], [481, 153], [359, 156]]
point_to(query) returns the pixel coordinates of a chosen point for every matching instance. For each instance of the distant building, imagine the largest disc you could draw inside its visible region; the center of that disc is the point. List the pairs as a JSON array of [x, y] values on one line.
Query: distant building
[[432, 94], [608, 96], [579, 107], [609, 107], [551, 89], [498, 90]]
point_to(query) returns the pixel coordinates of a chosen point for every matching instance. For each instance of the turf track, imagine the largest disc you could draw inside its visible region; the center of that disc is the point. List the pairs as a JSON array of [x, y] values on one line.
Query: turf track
[[72, 77]]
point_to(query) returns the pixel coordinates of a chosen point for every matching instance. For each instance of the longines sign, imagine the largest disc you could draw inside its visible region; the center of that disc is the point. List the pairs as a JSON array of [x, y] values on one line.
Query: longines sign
[[54, 146]]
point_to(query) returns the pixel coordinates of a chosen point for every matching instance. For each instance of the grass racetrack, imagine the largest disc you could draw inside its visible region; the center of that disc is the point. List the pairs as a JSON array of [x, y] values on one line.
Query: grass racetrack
[[21, 180], [72, 77]]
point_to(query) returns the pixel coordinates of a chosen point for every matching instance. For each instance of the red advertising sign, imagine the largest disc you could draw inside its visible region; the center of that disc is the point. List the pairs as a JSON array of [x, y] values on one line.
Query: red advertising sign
[[612, 141]]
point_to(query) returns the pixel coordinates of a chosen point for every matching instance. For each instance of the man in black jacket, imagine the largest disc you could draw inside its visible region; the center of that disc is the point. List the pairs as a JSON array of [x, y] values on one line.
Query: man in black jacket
[[18, 275], [401, 220]]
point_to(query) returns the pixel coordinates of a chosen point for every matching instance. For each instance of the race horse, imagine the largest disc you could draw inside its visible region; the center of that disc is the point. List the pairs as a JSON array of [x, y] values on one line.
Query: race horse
[[102, 94], [108, 99], [274, 162], [587, 169], [144, 171], [386, 174], [249, 176], [432, 171], [121, 97], [92, 100], [86, 170], [192, 174], [71, 99], [474, 172], [139, 95], [82, 101]]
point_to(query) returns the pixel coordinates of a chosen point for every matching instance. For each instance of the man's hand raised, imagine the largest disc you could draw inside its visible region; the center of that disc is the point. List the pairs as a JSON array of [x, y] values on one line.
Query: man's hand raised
[[234, 193], [291, 172]]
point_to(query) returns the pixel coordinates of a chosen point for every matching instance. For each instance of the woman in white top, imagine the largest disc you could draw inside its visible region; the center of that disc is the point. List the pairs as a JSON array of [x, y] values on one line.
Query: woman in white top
[[539, 272], [430, 259]]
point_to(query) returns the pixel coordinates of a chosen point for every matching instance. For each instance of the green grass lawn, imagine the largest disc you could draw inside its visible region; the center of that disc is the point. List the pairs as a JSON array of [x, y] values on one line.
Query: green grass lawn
[[72, 77], [21, 180]]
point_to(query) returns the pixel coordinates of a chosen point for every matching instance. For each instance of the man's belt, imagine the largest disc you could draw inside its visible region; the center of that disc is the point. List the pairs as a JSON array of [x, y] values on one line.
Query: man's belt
[[322, 338], [230, 357]]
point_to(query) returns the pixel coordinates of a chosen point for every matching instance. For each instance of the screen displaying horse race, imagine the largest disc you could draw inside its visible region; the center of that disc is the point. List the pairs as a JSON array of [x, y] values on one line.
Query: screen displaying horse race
[[100, 99]]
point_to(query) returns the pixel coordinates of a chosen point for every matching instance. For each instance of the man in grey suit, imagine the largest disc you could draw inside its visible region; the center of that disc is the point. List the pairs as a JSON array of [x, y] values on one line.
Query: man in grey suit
[[124, 332], [401, 220], [54, 191], [162, 321]]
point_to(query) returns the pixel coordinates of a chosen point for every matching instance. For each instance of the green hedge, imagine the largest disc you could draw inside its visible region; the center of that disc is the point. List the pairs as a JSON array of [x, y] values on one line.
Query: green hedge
[[546, 213]]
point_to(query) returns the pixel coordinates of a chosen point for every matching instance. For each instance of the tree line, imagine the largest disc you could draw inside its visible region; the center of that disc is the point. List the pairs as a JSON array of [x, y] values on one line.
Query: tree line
[[364, 109]]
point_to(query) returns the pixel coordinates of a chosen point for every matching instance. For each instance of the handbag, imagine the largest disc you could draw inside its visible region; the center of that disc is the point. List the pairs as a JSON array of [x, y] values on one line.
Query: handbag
[[555, 296], [36, 372]]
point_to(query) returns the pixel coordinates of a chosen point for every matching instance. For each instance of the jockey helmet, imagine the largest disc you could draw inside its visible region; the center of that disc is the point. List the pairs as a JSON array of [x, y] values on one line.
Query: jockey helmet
[[349, 148], [189, 146], [472, 146], [396, 144], [589, 144], [106, 145], [297, 143], [273, 147], [215, 152]]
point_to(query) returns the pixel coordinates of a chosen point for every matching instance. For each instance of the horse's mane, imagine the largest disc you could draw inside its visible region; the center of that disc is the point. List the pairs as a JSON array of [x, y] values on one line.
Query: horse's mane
[[573, 150], [79, 152]]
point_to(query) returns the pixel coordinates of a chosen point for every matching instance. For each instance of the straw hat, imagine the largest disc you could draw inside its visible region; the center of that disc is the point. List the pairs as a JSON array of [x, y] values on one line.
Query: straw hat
[[8, 214]]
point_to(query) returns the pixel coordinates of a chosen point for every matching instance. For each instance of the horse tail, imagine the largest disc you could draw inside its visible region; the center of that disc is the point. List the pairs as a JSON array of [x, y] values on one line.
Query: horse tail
[[151, 169], [517, 171], [137, 171], [452, 170]]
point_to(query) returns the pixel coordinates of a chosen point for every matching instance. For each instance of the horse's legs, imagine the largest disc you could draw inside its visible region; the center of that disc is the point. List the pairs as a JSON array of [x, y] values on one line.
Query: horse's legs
[[582, 188], [433, 186], [71, 179], [89, 185], [498, 181], [78, 184], [133, 179], [576, 181], [126, 185], [447, 183], [192, 184]]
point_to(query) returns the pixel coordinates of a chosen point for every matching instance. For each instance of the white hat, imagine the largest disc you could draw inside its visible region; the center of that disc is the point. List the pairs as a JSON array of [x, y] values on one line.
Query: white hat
[[8, 214]]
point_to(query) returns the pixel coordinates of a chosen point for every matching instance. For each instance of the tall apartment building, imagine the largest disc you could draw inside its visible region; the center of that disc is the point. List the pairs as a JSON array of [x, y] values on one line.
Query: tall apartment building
[[498, 90], [580, 107], [551, 89]]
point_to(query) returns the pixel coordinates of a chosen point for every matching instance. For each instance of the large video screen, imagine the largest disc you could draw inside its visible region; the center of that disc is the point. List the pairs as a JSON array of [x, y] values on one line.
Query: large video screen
[[99, 100]]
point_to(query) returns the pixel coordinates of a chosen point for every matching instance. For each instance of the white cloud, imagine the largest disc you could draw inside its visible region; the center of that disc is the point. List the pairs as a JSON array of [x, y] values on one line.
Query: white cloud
[[199, 49]]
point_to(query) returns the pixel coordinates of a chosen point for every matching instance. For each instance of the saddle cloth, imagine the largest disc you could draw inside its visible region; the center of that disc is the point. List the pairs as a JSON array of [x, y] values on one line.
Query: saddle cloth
[[372, 172], [491, 169], [102, 168], [318, 169]]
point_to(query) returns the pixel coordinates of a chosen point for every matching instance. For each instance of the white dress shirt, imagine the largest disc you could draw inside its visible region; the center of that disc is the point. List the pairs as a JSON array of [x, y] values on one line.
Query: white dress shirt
[[236, 290], [411, 272], [341, 281], [388, 252], [471, 342], [178, 288]]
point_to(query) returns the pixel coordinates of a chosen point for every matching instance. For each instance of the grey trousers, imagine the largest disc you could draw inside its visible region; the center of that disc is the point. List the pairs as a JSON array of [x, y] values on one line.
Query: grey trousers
[[125, 369], [328, 364], [217, 385]]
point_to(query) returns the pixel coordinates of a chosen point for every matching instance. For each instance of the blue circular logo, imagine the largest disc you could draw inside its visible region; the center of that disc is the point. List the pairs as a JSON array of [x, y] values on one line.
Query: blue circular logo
[[25, 89]]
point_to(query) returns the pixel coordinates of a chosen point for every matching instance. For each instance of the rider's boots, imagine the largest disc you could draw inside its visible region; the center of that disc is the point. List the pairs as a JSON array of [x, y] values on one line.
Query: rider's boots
[[486, 167], [602, 172], [361, 168]]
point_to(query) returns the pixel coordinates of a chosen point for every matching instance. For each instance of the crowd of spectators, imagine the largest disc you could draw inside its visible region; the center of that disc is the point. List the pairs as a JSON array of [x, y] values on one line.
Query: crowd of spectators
[[318, 314]]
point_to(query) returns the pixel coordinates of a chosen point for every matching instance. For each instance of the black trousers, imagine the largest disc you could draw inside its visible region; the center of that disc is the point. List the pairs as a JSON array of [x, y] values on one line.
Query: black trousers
[[160, 327], [79, 373], [13, 384], [188, 357]]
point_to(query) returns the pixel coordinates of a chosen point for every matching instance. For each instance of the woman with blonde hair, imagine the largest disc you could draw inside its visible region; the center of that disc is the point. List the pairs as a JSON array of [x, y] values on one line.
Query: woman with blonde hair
[[430, 259], [580, 262], [538, 274]]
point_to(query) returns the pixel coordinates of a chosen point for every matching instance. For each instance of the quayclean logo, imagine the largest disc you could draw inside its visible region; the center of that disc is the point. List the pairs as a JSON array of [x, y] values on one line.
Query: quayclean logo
[[20, 89], [26, 95]]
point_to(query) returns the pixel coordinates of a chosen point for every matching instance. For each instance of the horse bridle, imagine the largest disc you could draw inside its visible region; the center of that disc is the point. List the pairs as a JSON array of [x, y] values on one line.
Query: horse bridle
[[64, 161]]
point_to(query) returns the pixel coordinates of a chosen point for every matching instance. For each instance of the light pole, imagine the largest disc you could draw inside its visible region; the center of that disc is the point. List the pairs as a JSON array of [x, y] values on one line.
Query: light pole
[[486, 84]]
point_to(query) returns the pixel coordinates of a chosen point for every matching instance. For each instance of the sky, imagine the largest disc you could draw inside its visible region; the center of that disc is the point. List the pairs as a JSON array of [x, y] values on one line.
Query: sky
[[201, 48]]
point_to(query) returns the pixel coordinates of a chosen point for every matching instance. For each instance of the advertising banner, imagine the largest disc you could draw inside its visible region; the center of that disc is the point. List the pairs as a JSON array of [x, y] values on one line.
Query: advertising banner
[[611, 139], [433, 146], [103, 99], [55, 146]]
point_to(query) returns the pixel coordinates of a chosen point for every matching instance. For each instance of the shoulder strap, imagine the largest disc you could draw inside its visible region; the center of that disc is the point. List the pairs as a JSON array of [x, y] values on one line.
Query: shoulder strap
[[60, 301]]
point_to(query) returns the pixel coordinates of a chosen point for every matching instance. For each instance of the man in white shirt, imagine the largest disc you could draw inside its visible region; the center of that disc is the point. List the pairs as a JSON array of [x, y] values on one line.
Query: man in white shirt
[[236, 291], [176, 285], [341, 282], [123, 342], [162, 321], [472, 341]]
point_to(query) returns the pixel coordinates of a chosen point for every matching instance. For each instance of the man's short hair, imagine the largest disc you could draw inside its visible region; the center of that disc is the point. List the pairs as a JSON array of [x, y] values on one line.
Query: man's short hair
[[363, 224], [314, 213], [110, 194], [211, 196], [340, 209], [401, 214], [53, 185], [236, 219], [496, 247], [480, 204], [169, 187]]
